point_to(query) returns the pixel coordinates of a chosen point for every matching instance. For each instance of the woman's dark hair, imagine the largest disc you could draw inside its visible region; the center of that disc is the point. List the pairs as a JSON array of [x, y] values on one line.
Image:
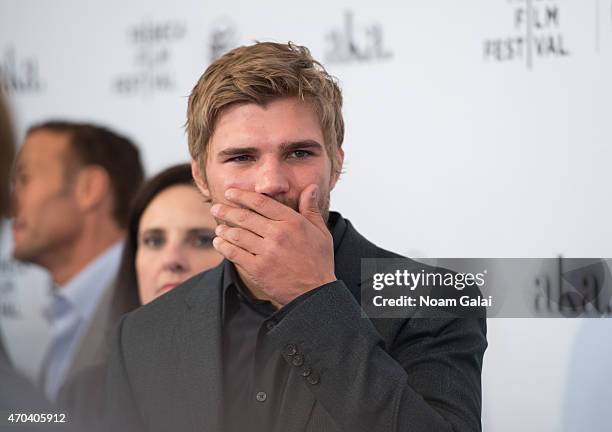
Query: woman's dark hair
[[127, 282]]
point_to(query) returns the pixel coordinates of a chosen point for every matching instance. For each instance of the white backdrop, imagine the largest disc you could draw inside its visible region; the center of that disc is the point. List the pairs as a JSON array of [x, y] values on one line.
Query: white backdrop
[[477, 128]]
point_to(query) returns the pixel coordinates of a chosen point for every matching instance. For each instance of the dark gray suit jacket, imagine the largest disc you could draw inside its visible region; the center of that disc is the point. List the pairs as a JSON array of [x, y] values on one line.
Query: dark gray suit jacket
[[375, 375]]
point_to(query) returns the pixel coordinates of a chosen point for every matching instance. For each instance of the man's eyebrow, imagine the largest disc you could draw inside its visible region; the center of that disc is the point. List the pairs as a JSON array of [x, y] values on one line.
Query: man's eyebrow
[[301, 145], [236, 151], [284, 147]]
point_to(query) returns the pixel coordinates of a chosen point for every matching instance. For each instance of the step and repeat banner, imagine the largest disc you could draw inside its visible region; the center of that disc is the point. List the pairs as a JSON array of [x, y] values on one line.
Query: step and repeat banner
[[478, 128]]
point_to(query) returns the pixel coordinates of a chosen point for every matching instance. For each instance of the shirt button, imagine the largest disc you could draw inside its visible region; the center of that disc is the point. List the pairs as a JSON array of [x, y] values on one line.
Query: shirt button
[[313, 378], [306, 371], [298, 360], [261, 396], [270, 324], [290, 349]]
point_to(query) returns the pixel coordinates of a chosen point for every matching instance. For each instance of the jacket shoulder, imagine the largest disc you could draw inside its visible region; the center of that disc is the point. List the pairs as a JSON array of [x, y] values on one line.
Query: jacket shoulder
[[159, 316]]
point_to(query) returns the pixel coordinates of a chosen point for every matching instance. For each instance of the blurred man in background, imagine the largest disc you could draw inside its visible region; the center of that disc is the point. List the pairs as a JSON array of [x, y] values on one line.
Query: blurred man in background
[[73, 187], [17, 395]]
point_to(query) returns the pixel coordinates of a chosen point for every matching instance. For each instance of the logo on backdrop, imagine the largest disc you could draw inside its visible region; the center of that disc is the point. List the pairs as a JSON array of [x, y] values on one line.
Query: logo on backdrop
[[574, 287], [223, 37], [9, 270], [152, 42], [533, 32], [19, 75], [350, 43]]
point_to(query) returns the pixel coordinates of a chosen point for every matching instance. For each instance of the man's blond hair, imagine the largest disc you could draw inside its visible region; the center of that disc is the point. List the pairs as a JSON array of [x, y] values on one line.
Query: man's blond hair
[[259, 74]]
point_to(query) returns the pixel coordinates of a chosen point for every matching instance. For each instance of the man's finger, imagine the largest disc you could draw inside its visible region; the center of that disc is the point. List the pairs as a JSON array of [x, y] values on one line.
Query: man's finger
[[262, 204], [242, 238], [309, 206], [232, 252], [241, 217]]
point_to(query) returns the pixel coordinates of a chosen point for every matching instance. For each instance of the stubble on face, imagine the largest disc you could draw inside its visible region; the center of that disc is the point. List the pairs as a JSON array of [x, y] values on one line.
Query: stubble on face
[[37, 240], [292, 203]]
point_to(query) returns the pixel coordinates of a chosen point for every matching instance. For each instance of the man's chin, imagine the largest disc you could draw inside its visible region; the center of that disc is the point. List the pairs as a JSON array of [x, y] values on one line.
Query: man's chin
[[25, 254]]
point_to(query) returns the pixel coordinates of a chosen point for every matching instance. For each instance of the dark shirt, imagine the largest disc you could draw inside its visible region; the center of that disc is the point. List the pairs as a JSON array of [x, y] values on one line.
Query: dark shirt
[[255, 374]]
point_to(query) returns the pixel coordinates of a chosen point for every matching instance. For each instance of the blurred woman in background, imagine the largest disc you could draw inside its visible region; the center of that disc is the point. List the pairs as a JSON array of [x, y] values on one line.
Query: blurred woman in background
[[169, 237]]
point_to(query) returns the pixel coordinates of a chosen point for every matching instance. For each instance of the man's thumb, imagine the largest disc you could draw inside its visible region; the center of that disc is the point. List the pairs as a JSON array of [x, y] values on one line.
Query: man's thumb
[[309, 205]]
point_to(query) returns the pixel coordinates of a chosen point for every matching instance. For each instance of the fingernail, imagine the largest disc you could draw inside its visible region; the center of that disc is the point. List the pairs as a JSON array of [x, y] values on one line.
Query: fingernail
[[229, 194], [215, 209]]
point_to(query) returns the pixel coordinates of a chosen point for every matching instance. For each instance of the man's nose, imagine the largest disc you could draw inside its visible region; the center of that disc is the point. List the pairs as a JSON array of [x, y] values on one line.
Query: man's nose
[[271, 179]]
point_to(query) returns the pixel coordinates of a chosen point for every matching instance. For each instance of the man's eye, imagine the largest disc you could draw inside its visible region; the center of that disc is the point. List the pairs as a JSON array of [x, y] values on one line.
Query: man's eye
[[241, 158], [300, 154], [22, 179], [153, 241]]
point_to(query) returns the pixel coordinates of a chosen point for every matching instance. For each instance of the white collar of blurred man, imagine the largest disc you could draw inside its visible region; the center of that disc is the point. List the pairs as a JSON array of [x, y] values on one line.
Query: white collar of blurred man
[[73, 314], [65, 199]]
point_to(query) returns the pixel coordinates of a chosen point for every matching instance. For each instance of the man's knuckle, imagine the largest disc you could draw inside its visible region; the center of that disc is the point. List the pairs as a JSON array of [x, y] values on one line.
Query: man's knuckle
[[231, 253], [260, 202], [301, 224], [280, 236], [234, 235], [242, 216]]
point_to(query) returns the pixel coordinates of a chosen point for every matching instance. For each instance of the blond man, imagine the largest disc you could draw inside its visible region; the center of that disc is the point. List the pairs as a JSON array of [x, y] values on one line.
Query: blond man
[[273, 339]]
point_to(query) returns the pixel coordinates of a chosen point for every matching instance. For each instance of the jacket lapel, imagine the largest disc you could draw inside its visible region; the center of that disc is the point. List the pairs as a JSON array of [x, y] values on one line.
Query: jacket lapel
[[351, 249], [201, 352]]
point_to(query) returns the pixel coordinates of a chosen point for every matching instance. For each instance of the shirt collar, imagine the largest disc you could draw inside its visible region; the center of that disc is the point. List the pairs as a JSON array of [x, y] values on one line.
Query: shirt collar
[[85, 289], [337, 226], [232, 286]]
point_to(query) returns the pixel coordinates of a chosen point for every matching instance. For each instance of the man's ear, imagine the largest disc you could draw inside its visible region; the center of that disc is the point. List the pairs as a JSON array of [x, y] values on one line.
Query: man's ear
[[199, 179], [339, 164], [92, 187]]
